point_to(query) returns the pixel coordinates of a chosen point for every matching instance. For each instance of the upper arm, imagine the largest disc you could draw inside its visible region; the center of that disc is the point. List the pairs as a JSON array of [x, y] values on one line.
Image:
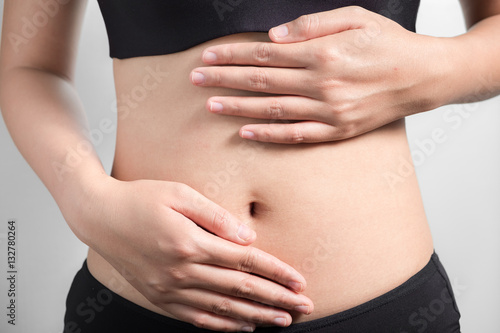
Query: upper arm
[[477, 10], [41, 34]]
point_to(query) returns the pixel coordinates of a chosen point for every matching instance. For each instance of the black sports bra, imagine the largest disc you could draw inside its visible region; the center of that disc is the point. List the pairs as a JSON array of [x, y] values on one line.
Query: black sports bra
[[153, 27]]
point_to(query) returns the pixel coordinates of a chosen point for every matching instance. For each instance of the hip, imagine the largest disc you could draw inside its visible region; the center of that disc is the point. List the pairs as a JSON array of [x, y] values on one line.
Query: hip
[[423, 302]]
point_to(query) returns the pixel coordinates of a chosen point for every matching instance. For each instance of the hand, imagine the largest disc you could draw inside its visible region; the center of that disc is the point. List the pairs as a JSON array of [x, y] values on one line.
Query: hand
[[191, 258], [338, 74]]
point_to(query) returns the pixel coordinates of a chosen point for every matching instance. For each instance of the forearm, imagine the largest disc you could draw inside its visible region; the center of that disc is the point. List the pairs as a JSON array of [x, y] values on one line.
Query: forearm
[[475, 71], [46, 121]]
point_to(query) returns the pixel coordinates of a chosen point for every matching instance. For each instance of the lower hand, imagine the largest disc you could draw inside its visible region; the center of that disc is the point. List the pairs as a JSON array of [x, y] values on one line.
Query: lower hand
[[191, 258], [336, 74]]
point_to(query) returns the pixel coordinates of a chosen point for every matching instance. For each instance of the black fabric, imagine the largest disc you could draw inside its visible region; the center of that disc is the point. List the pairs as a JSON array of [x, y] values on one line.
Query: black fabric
[[424, 303], [153, 27]]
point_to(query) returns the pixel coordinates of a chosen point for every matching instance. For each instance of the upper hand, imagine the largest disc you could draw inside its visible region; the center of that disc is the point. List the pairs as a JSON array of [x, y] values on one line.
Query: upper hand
[[190, 257], [337, 74]]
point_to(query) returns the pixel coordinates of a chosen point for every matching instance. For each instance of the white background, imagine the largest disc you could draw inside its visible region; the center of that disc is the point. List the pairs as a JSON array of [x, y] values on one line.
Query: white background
[[459, 178]]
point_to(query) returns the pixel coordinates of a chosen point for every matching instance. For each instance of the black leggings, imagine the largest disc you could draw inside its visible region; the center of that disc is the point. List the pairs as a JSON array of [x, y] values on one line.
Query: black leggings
[[424, 303]]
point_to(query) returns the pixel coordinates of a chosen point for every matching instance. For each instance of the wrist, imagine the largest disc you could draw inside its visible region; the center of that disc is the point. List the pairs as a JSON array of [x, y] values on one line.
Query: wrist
[[457, 74], [82, 203], [470, 74], [435, 73]]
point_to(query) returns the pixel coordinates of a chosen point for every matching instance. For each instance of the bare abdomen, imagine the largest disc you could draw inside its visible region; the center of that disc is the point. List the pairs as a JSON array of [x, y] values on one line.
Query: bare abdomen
[[326, 209]]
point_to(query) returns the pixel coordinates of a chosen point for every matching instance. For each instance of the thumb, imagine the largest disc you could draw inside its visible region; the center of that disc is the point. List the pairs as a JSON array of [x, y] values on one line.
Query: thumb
[[212, 217], [321, 24]]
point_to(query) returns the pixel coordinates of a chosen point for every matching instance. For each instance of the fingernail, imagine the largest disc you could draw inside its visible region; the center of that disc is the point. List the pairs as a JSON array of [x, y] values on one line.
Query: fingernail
[[280, 31], [244, 232], [302, 308], [280, 321], [247, 135], [209, 57], [198, 78], [247, 329], [216, 107], [297, 286]]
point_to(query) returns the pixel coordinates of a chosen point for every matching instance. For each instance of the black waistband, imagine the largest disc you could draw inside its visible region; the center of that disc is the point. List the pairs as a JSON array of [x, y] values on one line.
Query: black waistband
[[406, 288], [411, 285]]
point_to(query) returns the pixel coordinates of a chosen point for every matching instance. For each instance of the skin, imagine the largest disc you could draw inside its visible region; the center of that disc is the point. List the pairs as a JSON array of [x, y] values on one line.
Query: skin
[[202, 276]]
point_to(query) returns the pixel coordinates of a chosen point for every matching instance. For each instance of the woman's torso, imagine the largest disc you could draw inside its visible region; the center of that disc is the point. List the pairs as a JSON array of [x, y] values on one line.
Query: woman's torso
[[330, 210]]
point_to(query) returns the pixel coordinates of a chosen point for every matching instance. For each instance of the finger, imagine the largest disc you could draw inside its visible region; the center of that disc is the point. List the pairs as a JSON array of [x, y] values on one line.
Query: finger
[[276, 107], [260, 79], [248, 286], [323, 24], [206, 320], [251, 260], [257, 54], [232, 307], [301, 132], [211, 216]]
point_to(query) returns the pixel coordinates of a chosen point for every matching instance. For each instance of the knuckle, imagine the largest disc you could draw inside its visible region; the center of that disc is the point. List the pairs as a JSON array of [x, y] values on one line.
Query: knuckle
[[275, 110], [281, 298], [201, 321], [325, 55], [248, 262], [308, 24], [296, 135], [342, 108], [228, 54], [216, 78], [266, 134], [259, 79], [154, 298], [257, 317], [181, 191], [220, 220], [222, 308], [324, 88], [156, 292], [245, 289], [278, 272], [327, 86], [178, 275], [348, 130], [357, 10], [183, 251], [235, 108], [262, 53]]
